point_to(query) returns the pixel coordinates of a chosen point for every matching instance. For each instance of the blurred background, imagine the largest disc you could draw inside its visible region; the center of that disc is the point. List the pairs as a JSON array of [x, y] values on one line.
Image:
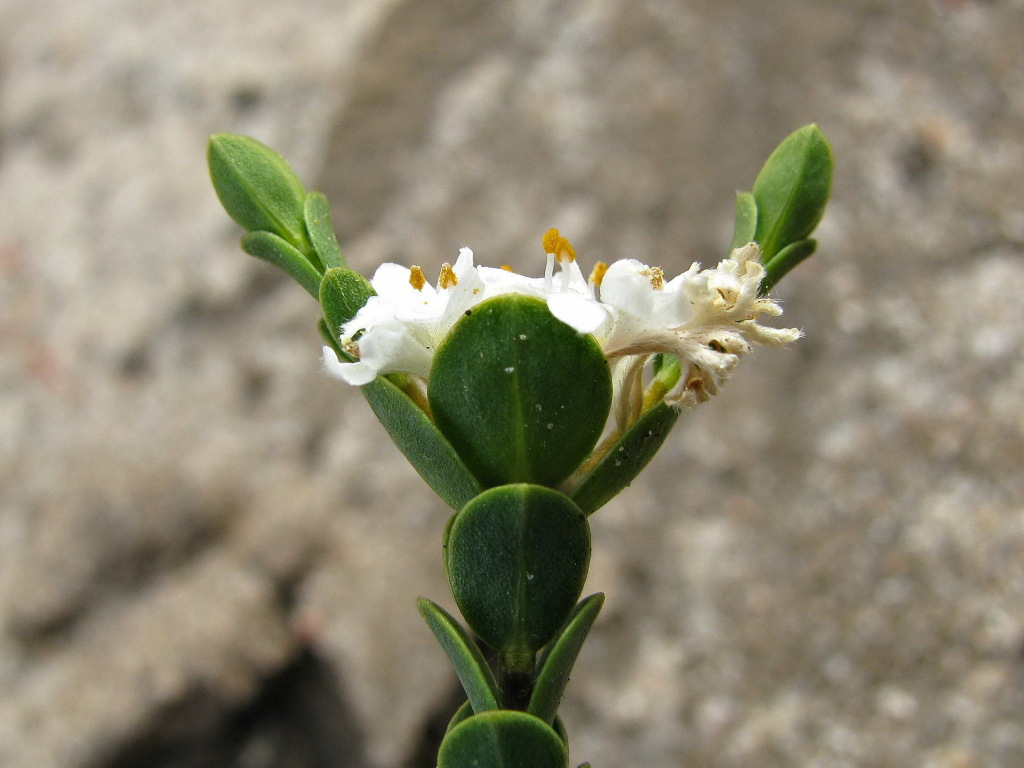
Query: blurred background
[[209, 552]]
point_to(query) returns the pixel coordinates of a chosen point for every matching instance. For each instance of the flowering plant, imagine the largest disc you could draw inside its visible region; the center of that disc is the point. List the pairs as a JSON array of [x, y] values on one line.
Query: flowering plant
[[527, 403]]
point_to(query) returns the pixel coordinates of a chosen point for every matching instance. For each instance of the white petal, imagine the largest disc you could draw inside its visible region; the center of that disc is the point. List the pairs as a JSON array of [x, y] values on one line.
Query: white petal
[[501, 281], [390, 348], [466, 294], [357, 373], [374, 312], [626, 288], [392, 281], [464, 263], [571, 278], [581, 313]]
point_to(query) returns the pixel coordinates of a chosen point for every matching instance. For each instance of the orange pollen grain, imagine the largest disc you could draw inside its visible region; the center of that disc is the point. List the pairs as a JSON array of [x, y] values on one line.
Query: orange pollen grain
[[416, 278], [597, 274], [447, 278]]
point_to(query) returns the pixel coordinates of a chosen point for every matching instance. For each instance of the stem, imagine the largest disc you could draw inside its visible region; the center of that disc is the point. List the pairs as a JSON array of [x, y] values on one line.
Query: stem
[[515, 682]]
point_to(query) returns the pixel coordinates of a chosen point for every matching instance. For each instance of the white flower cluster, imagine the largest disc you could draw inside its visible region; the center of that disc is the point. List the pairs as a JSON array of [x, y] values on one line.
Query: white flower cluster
[[707, 318]]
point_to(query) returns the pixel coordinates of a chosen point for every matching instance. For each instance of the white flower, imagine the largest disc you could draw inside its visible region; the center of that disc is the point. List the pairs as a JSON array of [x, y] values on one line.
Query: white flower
[[706, 318], [400, 328]]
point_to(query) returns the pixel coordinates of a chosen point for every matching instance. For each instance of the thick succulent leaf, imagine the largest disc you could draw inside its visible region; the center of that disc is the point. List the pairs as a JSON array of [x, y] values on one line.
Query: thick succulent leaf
[[466, 711], [624, 461], [785, 260], [258, 188], [557, 662], [792, 190], [502, 739], [517, 558], [470, 665], [342, 294], [274, 250], [329, 340], [462, 713], [559, 727], [317, 214], [423, 445], [745, 226], [522, 396]]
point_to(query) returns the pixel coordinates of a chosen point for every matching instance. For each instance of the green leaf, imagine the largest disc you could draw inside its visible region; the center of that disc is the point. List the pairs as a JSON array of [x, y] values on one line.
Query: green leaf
[[342, 294], [317, 214], [792, 190], [624, 460], [423, 445], [502, 739], [258, 188], [785, 260], [469, 663], [274, 250], [559, 727], [517, 558], [462, 713], [329, 339], [560, 657], [521, 396], [745, 226]]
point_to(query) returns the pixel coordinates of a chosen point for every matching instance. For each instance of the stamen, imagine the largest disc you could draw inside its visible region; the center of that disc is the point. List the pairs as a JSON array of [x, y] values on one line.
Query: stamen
[[565, 251], [447, 278], [550, 241], [657, 277], [558, 246], [506, 267], [351, 348], [416, 278], [597, 274]]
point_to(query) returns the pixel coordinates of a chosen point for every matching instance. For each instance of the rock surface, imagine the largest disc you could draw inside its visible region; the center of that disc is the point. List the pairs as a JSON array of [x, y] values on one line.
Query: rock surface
[[209, 552]]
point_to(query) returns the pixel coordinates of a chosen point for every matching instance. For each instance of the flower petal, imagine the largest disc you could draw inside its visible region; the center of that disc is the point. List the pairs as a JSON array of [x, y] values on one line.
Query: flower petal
[[581, 313], [391, 348], [626, 288], [357, 373]]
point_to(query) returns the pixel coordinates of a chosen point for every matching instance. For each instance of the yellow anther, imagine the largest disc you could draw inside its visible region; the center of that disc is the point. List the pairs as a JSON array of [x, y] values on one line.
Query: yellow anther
[[656, 276], [416, 278], [597, 274], [447, 278], [555, 244], [550, 241], [506, 267]]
